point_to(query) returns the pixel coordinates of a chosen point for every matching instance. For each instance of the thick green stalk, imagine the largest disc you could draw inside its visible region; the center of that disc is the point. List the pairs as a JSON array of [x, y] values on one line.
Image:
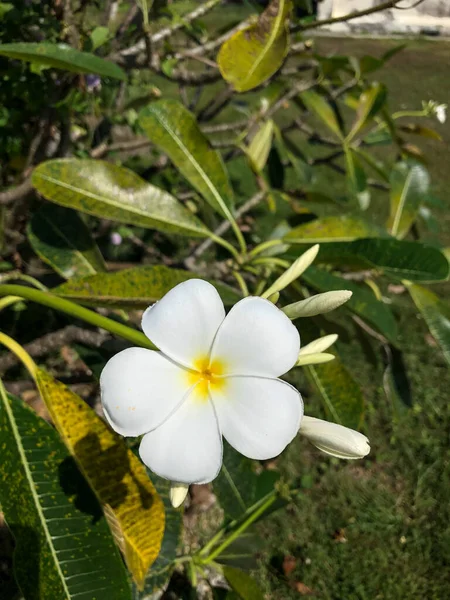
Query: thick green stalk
[[79, 312]]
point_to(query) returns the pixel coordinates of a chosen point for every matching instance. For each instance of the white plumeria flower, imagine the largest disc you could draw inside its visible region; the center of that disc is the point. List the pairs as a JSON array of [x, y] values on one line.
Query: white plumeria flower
[[214, 376], [441, 113]]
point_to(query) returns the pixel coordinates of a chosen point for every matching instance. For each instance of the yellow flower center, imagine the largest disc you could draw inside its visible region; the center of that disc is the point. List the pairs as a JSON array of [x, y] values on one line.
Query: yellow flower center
[[207, 376]]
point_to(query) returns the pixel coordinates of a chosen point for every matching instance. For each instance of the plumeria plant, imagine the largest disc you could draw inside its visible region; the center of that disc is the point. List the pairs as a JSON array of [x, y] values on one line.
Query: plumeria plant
[[170, 224]]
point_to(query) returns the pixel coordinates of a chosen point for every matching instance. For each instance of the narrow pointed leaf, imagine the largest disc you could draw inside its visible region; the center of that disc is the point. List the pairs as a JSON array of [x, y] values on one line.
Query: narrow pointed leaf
[[259, 148], [357, 179], [133, 288], [409, 188], [436, 314], [114, 473], [60, 237], [341, 228], [317, 104], [363, 302], [62, 56], [174, 129], [254, 54], [341, 394], [64, 548], [370, 102], [110, 192]]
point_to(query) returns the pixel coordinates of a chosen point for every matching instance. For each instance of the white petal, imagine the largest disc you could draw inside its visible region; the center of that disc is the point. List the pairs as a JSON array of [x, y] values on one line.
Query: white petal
[[335, 439], [140, 388], [259, 417], [256, 338], [187, 448], [184, 322]]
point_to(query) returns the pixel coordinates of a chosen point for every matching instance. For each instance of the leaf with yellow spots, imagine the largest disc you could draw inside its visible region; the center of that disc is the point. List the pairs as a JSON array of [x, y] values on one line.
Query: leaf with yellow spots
[[118, 478]]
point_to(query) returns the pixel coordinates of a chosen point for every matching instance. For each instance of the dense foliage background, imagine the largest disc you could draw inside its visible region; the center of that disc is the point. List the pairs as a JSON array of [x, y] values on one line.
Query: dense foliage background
[[328, 141]]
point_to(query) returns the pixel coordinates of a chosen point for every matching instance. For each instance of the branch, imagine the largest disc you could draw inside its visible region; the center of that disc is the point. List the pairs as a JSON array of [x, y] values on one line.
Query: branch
[[50, 342], [344, 18], [17, 193]]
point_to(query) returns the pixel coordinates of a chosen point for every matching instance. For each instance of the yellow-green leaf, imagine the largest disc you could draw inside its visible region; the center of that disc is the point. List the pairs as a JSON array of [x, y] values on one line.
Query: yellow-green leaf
[[342, 228], [254, 54], [61, 239], [318, 105], [114, 473], [111, 192], [259, 148], [62, 56], [409, 187], [436, 314], [175, 130], [370, 102], [137, 287], [243, 584], [63, 548], [357, 179]]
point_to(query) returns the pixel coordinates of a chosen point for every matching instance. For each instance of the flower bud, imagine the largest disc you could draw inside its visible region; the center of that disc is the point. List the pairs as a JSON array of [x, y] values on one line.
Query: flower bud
[[274, 297], [334, 439], [178, 493], [317, 305], [319, 345], [294, 271], [314, 359]]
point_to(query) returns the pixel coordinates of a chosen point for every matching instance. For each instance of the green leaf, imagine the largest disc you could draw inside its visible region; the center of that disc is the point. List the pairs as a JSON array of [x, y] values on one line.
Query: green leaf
[[436, 314], [370, 102], [61, 239], [64, 548], [5, 7], [259, 148], [163, 566], [400, 259], [110, 192], [363, 302], [342, 228], [357, 179], [409, 188], [236, 483], [251, 56], [174, 129], [99, 36], [426, 132], [244, 585], [317, 104], [137, 287], [342, 396], [62, 56], [130, 502]]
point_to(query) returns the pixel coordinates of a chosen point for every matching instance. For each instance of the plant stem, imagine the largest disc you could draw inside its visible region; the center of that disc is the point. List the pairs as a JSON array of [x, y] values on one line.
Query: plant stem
[[272, 261], [231, 249], [20, 352], [79, 312], [242, 283], [264, 246]]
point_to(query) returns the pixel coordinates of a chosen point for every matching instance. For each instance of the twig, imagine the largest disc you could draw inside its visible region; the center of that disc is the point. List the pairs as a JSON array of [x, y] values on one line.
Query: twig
[[17, 193], [50, 342], [225, 226]]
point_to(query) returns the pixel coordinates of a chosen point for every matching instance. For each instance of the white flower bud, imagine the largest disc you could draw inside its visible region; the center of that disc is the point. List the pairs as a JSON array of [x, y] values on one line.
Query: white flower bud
[[334, 439], [319, 345], [317, 305], [178, 493], [314, 359], [294, 271]]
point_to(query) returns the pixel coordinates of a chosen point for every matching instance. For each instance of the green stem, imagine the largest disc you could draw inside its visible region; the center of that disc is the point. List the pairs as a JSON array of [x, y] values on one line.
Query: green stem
[[79, 312], [231, 249], [237, 532], [272, 261], [410, 113], [242, 283], [239, 236], [20, 352], [264, 246]]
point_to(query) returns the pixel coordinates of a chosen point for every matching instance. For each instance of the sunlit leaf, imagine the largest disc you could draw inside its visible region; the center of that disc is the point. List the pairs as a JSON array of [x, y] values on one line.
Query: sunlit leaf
[[259, 148], [61, 239], [111, 192], [363, 303], [174, 129], [342, 397], [357, 179], [409, 187], [436, 314], [318, 104], [342, 228], [137, 287], [370, 102], [64, 548], [62, 56], [114, 473], [254, 54]]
